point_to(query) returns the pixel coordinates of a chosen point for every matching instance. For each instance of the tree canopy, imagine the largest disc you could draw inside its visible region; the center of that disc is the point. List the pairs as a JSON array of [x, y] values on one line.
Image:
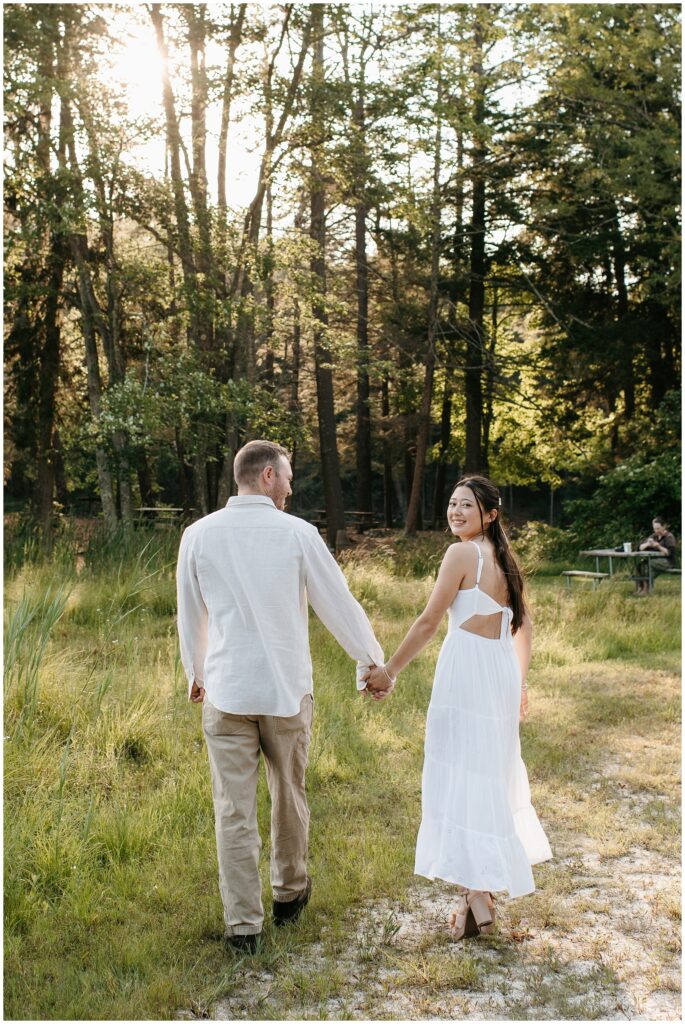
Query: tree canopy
[[406, 241]]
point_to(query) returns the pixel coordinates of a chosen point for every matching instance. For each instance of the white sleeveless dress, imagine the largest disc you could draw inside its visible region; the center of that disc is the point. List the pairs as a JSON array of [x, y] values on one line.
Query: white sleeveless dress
[[478, 827]]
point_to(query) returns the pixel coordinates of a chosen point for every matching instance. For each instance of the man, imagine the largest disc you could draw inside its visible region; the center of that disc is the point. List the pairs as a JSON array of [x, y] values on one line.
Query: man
[[244, 576]]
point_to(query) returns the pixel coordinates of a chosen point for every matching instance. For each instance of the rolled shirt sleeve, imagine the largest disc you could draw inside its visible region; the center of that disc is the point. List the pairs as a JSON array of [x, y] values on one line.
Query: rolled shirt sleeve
[[192, 614], [341, 614]]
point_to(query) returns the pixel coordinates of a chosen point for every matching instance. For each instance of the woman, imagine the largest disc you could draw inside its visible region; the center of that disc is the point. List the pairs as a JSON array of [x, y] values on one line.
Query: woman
[[663, 542], [478, 828]]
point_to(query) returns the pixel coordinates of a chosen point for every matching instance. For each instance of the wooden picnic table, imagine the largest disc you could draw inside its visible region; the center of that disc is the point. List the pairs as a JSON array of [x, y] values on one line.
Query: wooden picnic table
[[611, 553]]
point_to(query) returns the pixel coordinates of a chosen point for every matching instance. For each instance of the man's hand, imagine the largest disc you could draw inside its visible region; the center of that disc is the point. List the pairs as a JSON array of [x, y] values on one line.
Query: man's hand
[[197, 693], [378, 683]]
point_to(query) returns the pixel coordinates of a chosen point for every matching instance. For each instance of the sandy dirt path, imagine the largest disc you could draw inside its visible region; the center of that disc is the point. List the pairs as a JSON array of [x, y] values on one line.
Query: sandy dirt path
[[600, 939]]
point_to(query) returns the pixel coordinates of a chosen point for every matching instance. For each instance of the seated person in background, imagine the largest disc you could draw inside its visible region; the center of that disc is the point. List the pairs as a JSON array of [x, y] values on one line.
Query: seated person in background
[[663, 542]]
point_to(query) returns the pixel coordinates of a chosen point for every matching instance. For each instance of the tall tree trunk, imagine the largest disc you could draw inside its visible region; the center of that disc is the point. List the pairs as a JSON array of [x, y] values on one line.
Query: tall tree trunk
[[198, 333], [388, 485], [111, 318], [355, 81], [362, 274], [423, 434], [445, 436], [201, 483], [459, 255], [173, 137], [490, 383], [408, 468], [147, 494], [92, 319], [235, 37], [330, 463], [61, 489], [21, 342], [49, 358], [474, 360], [184, 477], [452, 354], [401, 481], [105, 481], [295, 370], [626, 367], [170, 255], [662, 344], [241, 286], [225, 483], [195, 17], [47, 389], [268, 270]]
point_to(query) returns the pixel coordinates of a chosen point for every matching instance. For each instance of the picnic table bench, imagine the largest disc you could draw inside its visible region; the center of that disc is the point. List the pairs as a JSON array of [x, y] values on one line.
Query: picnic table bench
[[596, 577], [359, 520], [162, 516]]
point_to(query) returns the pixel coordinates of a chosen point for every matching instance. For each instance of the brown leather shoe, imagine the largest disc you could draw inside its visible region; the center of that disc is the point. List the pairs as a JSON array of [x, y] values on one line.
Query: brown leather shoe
[[286, 912]]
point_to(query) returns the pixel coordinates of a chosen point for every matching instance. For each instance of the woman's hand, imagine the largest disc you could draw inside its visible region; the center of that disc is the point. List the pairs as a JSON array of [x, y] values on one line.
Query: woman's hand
[[523, 707], [378, 683]]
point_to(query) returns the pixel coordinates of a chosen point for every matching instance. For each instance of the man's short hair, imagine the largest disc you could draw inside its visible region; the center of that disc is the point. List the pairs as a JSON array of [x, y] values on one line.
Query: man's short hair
[[254, 457]]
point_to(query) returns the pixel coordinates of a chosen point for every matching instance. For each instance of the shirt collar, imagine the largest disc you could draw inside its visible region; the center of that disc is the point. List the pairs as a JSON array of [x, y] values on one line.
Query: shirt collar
[[249, 499]]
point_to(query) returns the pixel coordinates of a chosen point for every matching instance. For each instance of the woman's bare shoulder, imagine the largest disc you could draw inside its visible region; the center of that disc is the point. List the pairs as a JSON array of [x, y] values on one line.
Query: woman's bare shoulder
[[457, 555]]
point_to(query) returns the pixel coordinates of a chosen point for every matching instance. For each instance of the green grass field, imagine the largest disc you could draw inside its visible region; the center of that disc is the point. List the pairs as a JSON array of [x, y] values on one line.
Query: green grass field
[[112, 907]]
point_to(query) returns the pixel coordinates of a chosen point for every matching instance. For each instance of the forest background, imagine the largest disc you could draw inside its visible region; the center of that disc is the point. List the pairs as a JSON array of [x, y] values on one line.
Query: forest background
[[407, 241]]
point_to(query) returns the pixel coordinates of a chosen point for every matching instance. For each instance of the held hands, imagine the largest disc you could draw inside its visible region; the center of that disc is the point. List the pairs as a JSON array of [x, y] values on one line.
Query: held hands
[[378, 682], [197, 693]]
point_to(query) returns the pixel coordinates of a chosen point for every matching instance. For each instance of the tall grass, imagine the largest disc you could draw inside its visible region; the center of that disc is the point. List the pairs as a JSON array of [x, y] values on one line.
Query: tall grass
[[111, 900], [26, 638]]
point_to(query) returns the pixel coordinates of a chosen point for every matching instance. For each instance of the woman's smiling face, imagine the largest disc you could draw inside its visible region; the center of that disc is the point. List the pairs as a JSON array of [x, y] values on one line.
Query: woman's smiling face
[[464, 516]]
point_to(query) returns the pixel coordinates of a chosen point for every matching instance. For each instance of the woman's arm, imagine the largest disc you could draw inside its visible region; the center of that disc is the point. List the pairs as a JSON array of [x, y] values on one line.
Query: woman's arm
[[523, 642], [450, 577]]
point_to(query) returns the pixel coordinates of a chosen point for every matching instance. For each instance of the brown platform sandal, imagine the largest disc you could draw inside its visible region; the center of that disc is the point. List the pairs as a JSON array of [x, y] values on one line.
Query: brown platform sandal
[[461, 921], [482, 907]]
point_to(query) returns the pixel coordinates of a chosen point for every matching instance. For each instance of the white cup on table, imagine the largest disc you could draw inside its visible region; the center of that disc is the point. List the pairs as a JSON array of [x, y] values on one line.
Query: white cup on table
[[627, 546]]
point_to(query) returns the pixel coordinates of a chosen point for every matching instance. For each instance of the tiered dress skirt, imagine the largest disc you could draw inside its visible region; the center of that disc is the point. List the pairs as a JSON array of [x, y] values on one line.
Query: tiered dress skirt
[[478, 826]]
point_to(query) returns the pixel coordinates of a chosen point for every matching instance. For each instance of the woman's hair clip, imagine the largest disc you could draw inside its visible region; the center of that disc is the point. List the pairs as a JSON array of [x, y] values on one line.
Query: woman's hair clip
[[499, 502]]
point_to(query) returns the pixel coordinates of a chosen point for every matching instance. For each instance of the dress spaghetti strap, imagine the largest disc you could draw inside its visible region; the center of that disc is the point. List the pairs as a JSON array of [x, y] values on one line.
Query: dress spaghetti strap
[[480, 563]]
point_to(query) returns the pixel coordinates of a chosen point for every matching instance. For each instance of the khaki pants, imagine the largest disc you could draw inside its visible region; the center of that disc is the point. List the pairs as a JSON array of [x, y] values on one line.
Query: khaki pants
[[233, 744]]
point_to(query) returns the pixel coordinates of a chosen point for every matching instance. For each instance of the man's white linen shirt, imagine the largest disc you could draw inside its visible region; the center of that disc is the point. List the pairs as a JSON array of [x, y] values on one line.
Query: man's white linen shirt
[[243, 580]]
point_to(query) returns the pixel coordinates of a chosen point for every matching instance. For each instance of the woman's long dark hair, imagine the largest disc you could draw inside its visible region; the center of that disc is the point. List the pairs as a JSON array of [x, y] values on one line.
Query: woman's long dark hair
[[488, 498]]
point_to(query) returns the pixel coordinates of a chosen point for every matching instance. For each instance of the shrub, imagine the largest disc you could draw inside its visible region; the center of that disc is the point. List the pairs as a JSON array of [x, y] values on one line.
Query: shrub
[[627, 497], [418, 557], [626, 500], [538, 542]]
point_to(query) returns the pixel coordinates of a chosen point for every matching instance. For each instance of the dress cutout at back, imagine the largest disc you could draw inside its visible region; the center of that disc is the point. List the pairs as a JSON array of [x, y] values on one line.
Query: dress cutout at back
[[474, 604]]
